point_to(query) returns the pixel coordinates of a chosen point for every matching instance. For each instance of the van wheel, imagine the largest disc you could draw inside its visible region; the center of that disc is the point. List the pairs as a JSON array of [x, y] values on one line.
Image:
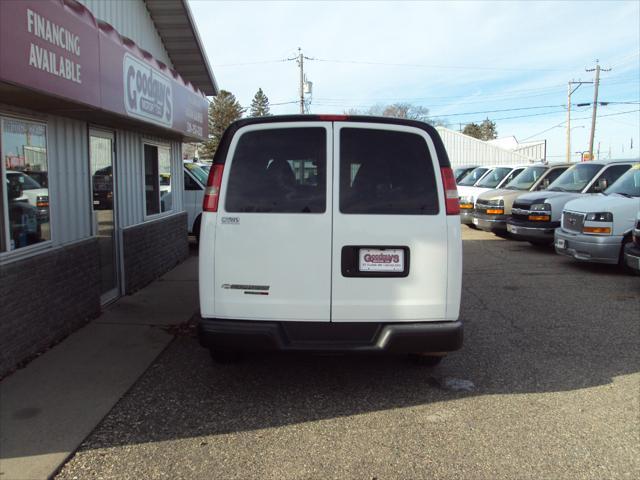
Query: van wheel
[[625, 241], [225, 357], [425, 360], [196, 228]]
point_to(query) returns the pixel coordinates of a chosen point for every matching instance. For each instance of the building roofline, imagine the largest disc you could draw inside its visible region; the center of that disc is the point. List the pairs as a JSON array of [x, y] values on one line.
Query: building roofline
[[177, 30], [196, 34]]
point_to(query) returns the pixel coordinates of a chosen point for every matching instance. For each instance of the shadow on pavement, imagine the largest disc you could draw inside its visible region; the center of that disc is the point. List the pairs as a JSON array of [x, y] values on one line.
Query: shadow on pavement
[[533, 324]]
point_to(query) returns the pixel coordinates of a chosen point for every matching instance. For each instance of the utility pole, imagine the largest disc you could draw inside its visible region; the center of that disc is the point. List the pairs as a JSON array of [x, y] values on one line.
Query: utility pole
[[301, 64], [569, 123], [300, 58], [569, 93], [595, 105]]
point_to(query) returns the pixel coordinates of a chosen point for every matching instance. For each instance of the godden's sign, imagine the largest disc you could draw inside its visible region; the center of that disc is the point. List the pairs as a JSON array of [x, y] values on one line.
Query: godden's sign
[[57, 47], [148, 93]]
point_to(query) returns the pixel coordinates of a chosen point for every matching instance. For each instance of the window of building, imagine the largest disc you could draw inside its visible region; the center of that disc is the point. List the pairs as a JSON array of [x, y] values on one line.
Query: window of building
[[157, 179], [24, 193]]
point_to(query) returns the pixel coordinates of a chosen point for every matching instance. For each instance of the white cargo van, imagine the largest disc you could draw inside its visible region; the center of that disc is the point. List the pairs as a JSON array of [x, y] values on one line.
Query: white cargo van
[[495, 177], [596, 228], [195, 179], [632, 250], [330, 233]]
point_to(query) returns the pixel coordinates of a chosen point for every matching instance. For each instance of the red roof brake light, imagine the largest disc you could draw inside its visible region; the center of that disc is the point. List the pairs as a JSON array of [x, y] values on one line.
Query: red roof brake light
[[333, 118], [452, 201], [212, 192]]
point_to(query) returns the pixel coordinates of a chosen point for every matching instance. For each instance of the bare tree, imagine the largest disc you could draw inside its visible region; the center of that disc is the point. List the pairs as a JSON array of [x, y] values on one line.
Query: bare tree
[[398, 110]]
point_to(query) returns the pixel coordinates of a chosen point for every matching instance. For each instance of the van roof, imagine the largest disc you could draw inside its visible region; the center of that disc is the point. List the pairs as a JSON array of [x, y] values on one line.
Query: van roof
[[610, 162], [221, 153]]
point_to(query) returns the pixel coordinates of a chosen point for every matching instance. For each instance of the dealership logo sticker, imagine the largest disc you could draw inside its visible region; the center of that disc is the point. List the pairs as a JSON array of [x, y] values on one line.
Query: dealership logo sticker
[[148, 94], [381, 260]]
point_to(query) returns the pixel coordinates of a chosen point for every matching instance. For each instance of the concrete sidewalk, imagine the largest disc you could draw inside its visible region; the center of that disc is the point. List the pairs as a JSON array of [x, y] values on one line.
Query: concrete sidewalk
[[49, 407]]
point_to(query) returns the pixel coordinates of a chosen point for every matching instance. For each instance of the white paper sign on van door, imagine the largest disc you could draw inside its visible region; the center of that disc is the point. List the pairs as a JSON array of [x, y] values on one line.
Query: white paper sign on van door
[[376, 260]]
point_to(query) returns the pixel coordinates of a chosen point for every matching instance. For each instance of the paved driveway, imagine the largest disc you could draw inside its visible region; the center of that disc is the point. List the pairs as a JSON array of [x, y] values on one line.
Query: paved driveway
[[546, 386]]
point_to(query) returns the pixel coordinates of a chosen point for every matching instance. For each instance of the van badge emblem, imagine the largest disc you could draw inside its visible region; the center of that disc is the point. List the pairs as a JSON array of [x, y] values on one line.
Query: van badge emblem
[[248, 289], [230, 220]]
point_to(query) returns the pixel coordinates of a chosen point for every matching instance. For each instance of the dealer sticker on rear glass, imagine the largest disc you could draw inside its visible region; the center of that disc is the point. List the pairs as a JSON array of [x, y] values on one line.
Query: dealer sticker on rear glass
[[376, 260]]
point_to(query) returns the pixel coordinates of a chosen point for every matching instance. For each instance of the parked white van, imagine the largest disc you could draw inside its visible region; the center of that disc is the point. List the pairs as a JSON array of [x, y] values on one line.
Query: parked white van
[[632, 250], [195, 180], [330, 233], [597, 228], [536, 215], [495, 177]]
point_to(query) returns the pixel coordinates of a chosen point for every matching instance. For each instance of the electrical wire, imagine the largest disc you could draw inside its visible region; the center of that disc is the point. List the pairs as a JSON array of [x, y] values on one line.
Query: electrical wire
[[450, 67], [580, 118], [261, 62]]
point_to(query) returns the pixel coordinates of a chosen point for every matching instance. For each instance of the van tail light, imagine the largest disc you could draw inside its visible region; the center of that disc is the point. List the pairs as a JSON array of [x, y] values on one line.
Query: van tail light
[[333, 118], [212, 192], [452, 202]]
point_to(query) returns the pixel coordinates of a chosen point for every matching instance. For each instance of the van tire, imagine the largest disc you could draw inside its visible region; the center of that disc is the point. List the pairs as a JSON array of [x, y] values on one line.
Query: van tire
[[621, 262], [425, 360], [196, 228], [225, 357]]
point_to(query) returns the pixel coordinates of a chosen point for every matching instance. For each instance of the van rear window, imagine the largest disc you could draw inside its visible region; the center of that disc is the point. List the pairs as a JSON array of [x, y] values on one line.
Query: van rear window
[[386, 172], [279, 170]]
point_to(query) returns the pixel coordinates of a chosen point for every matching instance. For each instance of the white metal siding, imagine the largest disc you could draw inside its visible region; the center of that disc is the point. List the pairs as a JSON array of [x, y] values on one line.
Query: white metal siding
[[132, 19], [465, 150], [536, 151], [130, 175], [69, 184]]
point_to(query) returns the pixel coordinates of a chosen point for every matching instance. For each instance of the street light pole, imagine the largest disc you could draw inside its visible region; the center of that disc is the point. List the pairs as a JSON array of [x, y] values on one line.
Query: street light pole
[[569, 93]]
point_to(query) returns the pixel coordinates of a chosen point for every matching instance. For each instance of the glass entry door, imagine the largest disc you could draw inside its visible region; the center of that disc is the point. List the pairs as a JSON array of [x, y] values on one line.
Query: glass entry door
[[101, 153]]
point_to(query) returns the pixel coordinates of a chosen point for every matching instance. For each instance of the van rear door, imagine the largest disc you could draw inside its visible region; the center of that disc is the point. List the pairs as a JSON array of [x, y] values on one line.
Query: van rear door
[[273, 227], [390, 226]]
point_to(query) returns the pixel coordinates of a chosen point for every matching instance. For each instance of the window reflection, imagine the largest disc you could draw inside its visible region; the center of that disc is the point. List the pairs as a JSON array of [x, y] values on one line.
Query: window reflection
[[24, 154]]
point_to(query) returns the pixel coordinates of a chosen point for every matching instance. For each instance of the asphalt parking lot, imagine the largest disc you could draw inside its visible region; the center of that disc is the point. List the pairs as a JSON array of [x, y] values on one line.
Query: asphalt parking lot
[[546, 386]]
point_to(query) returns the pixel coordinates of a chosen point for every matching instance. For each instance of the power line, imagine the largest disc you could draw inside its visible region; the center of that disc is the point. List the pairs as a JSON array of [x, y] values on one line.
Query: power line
[[452, 67], [261, 62], [625, 59], [283, 103], [581, 118]]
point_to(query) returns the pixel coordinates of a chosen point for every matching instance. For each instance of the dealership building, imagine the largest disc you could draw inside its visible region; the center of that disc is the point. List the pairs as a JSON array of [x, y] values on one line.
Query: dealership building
[[96, 99]]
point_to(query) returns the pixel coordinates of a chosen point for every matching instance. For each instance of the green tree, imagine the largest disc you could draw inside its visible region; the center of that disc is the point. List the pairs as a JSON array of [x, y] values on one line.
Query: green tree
[[259, 105], [473, 130], [488, 128], [223, 111], [485, 131]]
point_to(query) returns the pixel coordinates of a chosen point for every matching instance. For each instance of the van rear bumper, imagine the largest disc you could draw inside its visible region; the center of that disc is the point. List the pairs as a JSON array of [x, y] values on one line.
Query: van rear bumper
[[249, 335]]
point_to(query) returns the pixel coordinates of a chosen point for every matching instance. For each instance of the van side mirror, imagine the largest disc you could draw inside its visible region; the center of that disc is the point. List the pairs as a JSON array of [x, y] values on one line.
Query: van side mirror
[[602, 185], [14, 191]]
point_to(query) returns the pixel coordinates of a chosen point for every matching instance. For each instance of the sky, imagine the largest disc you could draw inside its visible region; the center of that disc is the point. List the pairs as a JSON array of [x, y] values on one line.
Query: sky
[[464, 61]]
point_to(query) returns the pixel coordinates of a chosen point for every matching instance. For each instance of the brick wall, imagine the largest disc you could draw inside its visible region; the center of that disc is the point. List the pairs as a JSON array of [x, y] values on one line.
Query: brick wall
[[46, 297], [153, 248]]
